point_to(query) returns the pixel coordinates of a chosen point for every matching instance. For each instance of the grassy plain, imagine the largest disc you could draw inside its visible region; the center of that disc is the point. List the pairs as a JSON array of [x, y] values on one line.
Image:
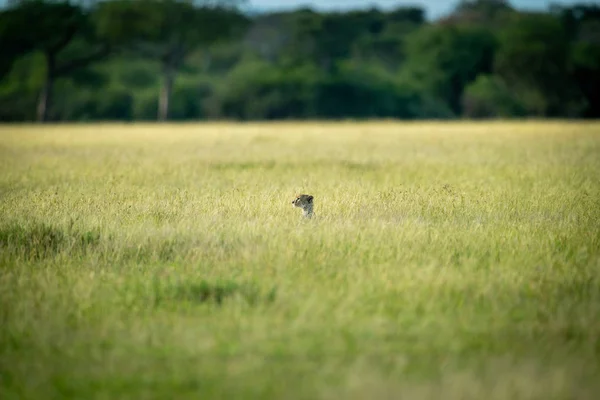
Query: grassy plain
[[445, 261]]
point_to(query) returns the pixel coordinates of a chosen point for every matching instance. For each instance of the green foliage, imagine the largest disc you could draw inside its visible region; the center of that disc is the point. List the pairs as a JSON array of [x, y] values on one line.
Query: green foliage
[[364, 92], [533, 60], [482, 12], [444, 59], [326, 39], [81, 103], [489, 97], [167, 32], [586, 72], [20, 89], [261, 91], [146, 106], [45, 26], [207, 60], [62, 32], [116, 105], [583, 23], [189, 101], [165, 28]]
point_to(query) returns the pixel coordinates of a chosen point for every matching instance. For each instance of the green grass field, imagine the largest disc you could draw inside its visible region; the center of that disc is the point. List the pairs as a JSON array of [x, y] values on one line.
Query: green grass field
[[445, 261]]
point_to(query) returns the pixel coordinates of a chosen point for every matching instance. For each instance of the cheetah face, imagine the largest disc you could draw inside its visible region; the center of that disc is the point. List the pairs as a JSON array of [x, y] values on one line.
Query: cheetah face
[[303, 201]]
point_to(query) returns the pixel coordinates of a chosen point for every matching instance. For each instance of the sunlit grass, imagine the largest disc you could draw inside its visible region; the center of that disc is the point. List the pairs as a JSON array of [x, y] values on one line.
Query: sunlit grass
[[456, 260]]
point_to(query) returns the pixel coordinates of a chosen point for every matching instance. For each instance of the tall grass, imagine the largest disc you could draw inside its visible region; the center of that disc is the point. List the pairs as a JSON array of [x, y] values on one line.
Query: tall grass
[[449, 261]]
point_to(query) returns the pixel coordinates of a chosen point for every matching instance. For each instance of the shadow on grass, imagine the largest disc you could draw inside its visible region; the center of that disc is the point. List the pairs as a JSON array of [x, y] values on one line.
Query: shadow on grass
[[39, 241], [271, 165], [217, 293]]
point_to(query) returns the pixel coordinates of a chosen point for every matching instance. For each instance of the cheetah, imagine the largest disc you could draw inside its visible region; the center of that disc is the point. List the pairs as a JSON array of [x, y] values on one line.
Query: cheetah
[[305, 202]]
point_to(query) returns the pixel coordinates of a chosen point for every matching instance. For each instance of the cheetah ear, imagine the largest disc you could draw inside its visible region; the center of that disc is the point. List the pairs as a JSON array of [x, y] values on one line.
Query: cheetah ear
[[310, 199]]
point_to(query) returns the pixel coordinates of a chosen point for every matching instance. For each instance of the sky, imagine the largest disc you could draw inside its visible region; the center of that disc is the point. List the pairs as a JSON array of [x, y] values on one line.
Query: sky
[[435, 8]]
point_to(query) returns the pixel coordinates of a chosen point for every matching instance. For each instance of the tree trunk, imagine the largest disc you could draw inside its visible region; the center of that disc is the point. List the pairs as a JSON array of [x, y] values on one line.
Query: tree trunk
[[45, 99], [165, 92]]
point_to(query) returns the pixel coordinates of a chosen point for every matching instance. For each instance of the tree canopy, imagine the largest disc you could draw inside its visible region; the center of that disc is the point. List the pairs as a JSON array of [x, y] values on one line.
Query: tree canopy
[[177, 59]]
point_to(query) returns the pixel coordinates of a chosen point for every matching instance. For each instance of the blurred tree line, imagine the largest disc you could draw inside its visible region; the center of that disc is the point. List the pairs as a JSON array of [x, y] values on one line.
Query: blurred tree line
[[182, 60]]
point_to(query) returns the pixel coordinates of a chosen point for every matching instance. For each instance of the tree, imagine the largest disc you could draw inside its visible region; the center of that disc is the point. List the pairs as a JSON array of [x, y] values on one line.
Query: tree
[[585, 66], [62, 32], [269, 35], [492, 14], [12, 42], [444, 59], [325, 39], [533, 61], [482, 10], [387, 48], [371, 35], [489, 97], [582, 24], [167, 31]]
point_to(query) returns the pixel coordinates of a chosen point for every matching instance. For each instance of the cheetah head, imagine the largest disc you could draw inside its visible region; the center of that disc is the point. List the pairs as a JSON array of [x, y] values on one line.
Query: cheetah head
[[305, 202]]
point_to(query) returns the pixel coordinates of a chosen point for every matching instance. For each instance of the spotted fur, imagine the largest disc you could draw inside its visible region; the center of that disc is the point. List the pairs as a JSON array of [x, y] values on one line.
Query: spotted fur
[[305, 202]]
